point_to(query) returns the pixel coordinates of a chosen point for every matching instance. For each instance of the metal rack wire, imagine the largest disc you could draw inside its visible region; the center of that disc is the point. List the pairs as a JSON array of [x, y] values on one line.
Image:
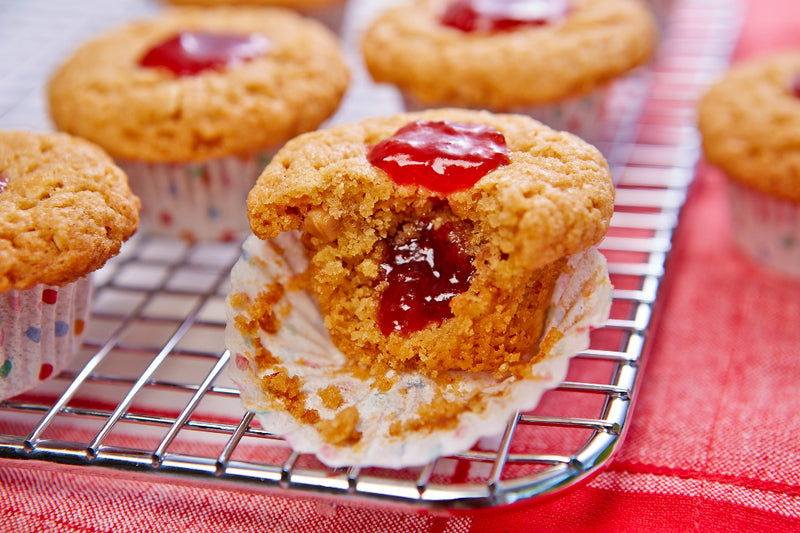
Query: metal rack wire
[[148, 394]]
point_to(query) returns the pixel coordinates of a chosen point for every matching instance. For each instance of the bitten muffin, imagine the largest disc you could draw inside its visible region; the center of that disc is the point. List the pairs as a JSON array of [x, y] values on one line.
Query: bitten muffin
[[552, 60], [65, 209], [448, 268], [750, 125], [193, 102]]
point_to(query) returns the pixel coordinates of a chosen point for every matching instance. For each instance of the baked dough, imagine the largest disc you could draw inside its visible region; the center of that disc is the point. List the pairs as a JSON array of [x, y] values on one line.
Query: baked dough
[[597, 42], [148, 114], [750, 125], [65, 209], [553, 199]]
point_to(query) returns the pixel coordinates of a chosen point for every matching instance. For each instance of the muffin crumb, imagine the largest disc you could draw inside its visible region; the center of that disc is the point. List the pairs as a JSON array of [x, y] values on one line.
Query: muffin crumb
[[331, 397], [341, 429]]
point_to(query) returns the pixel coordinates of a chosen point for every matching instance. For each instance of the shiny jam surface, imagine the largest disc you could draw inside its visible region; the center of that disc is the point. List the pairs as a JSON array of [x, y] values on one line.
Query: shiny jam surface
[[424, 272], [502, 15], [440, 155], [190, 53], [3, 182]]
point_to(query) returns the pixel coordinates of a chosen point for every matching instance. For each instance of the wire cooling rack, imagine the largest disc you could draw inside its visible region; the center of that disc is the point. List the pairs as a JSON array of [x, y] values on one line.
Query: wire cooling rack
[[148, 394]]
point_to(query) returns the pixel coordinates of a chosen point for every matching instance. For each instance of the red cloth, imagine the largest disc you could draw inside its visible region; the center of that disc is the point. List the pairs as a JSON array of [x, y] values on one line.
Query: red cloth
[[713, 446], [714, 443]]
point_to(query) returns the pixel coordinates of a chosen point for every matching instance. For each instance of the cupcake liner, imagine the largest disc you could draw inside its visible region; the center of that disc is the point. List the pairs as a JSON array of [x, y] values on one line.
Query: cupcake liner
[[41, 329], [581, 302], [582, 115], [196, 200], [766, 228]]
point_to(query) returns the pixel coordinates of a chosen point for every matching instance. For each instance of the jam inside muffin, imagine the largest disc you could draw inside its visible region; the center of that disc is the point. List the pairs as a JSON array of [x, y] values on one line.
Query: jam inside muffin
[[505, 15], [423, 269], [408, 278], [191, 53]]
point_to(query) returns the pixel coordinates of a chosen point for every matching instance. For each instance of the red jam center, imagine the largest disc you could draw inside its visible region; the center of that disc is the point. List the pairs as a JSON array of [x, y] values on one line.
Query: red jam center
[[424, 273], [190, 53], [502, 15], [442, 156]]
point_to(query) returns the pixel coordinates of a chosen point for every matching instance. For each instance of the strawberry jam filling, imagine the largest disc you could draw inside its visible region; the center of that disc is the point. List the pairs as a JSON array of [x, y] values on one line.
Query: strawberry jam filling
[[191, 53], [424, 272], [502, 15], [442, 156], [425, 267]]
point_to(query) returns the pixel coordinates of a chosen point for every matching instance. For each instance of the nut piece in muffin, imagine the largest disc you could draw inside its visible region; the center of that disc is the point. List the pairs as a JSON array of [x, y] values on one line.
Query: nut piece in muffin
[[193, 101], [750, 126], [435, 238], [65, 209]]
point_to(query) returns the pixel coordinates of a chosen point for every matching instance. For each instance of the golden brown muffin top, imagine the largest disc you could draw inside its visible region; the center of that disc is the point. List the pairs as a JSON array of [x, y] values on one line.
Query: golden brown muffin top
[[750, 124], [597, 41], [65, 209], [554, 198], [102, 93]]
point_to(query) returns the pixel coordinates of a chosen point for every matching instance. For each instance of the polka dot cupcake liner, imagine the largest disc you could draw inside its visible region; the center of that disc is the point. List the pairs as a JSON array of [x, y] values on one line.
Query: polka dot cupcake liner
[[204, 201], [581, 116], [766, 228], [41, 329]]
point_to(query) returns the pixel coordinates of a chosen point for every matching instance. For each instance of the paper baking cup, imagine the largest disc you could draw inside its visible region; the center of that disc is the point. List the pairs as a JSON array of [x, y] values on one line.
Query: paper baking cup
[[581, 115], [41, 329], [581, 302], [766, 228], [196, 201]]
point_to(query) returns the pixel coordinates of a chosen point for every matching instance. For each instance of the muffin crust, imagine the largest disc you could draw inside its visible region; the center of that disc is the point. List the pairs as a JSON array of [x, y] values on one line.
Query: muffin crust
[[553, 199], [65, 209], [596, 42], [750, 125], [102, 94]]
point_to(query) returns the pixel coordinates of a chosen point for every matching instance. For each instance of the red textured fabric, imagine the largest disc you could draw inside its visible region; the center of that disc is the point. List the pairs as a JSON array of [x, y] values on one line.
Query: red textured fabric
[[715, 440], [714, 444]]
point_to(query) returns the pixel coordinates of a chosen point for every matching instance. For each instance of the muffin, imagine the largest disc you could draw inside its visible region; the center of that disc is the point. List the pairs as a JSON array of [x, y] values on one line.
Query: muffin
[[193, 102], [552, 60], [497, 246], [329, 12], [421, 251], [65, 209], [750, 126]]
